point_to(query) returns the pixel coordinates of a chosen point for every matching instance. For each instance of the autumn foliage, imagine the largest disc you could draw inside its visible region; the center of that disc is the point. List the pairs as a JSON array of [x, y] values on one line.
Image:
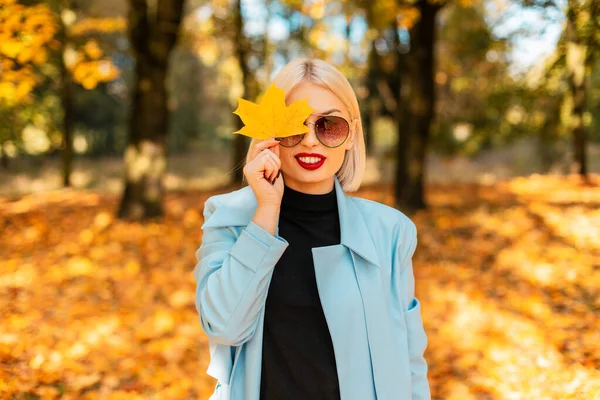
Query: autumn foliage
[[508, 277], [31, 34], [26, 35]]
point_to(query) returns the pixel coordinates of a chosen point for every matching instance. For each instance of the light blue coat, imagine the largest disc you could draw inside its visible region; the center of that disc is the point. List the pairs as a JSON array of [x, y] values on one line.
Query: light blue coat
[[366, 287]]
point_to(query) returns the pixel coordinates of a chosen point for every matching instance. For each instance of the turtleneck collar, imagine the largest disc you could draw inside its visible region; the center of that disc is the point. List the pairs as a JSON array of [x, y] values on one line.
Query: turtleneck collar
[[299, 201]]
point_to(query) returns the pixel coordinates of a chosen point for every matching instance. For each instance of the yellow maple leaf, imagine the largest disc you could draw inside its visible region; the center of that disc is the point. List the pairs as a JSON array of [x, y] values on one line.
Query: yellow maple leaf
[[272, 118]]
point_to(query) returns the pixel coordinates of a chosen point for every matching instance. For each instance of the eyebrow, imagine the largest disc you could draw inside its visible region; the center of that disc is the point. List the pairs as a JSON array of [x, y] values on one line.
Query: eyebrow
[[327, 112]]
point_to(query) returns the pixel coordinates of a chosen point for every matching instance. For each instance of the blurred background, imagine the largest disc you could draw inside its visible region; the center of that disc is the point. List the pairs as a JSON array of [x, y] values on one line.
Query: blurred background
[[482, 122]]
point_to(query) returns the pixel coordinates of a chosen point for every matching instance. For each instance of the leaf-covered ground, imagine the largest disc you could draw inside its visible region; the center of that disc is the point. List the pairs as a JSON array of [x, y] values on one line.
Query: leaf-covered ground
[[96, 308]]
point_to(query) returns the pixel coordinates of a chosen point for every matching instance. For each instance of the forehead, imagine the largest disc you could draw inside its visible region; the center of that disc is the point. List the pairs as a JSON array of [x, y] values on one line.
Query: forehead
[[318, 97]]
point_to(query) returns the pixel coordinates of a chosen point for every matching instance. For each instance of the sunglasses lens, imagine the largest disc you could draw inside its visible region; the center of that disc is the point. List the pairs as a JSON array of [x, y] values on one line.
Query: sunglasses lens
[[332, 131], [290, 141]]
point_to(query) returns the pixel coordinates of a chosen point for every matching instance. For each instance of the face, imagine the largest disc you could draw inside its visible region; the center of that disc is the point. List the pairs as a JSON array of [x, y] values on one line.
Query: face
[[305, 178]]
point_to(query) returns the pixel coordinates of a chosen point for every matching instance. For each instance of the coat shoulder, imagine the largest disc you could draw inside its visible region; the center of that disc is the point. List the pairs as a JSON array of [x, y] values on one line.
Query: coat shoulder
[[242, 198], [233, 208]]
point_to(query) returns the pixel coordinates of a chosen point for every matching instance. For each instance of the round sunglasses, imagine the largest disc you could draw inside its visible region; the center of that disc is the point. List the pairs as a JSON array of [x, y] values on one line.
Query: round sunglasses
[[332, 131]]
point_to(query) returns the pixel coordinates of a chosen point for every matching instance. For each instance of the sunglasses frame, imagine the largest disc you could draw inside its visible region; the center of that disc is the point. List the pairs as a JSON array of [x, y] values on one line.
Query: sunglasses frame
[[318, 136]]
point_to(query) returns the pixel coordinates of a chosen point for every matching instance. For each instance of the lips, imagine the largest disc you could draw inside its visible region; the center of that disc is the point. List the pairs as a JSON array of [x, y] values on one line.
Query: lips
[[307, 160]]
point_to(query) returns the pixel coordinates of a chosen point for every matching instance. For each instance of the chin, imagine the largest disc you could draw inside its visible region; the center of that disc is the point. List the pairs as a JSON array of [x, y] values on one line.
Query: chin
[[315, 179]]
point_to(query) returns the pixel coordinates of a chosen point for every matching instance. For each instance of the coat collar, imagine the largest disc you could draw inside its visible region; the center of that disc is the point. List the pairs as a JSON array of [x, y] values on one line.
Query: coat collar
[[239, 208]]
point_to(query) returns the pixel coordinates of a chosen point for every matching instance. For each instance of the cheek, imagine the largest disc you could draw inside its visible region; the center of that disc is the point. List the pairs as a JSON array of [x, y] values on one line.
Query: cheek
[[337, 157], [285, 156]]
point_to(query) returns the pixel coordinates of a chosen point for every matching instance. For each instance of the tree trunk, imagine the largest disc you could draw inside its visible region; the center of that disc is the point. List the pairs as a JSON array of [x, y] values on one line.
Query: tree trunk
[[415, 110], [547, 142], [3, 156], [66, 94], [241, 142], [577, 58], [67, 123], [145, 155], [368, 110]]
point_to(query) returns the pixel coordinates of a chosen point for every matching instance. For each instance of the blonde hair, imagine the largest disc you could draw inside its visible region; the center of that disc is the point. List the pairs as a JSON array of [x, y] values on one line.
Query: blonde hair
[[329, 77]]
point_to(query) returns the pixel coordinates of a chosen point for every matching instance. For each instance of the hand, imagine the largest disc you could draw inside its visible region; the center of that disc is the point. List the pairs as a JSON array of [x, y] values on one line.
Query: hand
[[263, 169]]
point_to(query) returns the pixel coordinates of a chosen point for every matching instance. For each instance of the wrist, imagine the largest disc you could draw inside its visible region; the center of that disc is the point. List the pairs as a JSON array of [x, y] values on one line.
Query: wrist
[[267, 210], [267, 218]]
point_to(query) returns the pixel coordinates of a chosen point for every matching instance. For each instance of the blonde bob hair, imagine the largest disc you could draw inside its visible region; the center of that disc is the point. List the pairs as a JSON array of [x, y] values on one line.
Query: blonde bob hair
[[329, 77]]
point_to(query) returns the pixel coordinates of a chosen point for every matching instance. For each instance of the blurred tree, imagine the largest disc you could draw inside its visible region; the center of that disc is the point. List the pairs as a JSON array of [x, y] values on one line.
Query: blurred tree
[[35, 38], [575, 57], [416, 100], [99, 113], [474, 90], [582, 42], [153, 30], [188, 91], [199, 66], [26, 37], [382, 81], [243, 49], [400, 81], [67, 18], [84, 65]]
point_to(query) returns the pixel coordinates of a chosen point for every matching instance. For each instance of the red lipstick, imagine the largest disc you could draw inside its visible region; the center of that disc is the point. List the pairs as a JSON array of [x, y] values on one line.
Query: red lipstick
[[310, 165]]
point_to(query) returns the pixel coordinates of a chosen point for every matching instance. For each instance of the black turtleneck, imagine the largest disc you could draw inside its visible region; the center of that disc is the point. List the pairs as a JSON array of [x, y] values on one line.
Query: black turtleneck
[[298, 360]]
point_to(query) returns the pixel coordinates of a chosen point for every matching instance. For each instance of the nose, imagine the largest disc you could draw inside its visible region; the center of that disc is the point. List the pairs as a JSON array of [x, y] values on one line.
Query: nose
[[310, 137]]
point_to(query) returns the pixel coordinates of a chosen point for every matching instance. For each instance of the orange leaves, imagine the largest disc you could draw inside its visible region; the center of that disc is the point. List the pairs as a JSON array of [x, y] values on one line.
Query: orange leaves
[[509, 288], [91, 73], [89, 69], [408, 17], [92, 50], [28, 34], [25, 33], [157, 325], [79, 266], [16, 85], [101, 308], [87, 66], [91, 26], [97, 307], [27, 29]]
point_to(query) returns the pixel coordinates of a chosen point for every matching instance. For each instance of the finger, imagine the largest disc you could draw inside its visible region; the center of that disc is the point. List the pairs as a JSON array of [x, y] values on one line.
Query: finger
[[275, 150], [272, 143], [266, 143], [277, 177], [275, 157], [273, 169], [269, 165], [276, 169], [259, 147], [269, 176], [268, 155]]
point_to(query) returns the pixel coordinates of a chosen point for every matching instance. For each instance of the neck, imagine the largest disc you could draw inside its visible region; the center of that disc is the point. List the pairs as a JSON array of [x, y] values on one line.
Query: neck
[[320, 187]]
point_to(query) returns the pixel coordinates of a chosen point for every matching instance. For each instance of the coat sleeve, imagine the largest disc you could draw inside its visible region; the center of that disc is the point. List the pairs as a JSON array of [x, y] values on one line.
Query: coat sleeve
[[417, 338], [232, 278]]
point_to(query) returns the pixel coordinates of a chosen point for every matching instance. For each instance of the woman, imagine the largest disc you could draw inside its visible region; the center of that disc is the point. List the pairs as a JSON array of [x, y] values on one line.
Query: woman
[[305, 292]]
